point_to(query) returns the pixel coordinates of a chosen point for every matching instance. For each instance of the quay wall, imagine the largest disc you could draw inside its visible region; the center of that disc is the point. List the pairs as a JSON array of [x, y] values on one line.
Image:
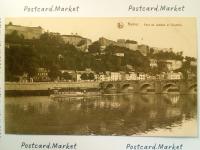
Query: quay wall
[[43, 86]]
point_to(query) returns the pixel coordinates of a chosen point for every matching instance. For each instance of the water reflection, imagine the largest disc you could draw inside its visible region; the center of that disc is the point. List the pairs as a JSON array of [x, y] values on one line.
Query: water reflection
[[104, 115]]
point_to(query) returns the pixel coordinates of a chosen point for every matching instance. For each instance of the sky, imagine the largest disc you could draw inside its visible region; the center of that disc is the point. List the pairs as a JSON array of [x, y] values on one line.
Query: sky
[[163, 32]]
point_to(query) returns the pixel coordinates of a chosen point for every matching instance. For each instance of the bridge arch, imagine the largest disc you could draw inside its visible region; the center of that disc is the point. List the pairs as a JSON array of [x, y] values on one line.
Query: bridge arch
[[109, 86], [144, 87], [168, 86], [125, 86]]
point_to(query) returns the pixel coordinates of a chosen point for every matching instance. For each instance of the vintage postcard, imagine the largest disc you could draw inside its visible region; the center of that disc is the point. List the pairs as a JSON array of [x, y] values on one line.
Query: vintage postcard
[[134, 76]]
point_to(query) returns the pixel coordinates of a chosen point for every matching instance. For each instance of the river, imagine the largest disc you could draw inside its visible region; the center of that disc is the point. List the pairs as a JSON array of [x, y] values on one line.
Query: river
[[125, 114]]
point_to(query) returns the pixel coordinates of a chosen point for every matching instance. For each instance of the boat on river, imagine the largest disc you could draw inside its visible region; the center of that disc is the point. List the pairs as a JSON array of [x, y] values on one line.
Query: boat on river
[[66, 93]]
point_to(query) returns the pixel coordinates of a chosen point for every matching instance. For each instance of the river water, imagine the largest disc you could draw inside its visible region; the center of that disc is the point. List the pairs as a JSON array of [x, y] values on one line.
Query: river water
[[125, 114]]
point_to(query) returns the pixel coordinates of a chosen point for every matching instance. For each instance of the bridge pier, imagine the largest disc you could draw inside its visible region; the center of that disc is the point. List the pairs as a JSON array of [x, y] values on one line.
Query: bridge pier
[[158, 87]]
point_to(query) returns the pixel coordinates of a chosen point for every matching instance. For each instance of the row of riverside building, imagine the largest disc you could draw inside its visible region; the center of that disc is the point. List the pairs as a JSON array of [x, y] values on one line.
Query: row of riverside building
[[42, 76]]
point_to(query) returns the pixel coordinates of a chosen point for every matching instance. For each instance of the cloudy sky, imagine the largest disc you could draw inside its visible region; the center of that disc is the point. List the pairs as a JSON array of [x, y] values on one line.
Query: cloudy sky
[[177, 33]]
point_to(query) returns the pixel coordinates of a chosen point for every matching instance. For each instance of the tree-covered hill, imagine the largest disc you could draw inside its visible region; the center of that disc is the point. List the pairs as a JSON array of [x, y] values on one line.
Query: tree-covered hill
[[52, 53]]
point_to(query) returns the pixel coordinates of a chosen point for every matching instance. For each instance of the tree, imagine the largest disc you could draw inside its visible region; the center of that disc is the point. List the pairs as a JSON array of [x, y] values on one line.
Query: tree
[[95, 47], [168, 55], [14, 37], [84, 76], [54, 72], [91, 76], [187, 67], [21, 59]]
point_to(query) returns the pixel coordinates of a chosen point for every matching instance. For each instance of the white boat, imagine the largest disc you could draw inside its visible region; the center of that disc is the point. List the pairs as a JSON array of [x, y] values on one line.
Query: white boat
[[65, 92]]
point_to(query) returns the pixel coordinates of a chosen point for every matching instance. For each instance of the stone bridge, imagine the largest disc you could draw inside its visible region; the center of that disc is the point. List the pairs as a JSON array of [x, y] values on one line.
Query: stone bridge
[[150, 86]]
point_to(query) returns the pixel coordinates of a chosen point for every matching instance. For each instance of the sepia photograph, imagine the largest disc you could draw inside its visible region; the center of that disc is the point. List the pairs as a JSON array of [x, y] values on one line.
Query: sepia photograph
[[123, 76]]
